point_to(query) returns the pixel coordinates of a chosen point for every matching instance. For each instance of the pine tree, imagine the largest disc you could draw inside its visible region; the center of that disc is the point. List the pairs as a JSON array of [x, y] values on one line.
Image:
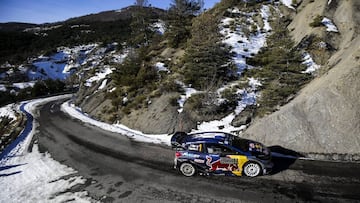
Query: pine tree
[[140, 25], [207, 61], [181, 13]]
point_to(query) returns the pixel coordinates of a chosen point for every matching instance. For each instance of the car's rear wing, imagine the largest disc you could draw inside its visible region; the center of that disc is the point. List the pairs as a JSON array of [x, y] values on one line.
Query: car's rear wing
[[178, 139]]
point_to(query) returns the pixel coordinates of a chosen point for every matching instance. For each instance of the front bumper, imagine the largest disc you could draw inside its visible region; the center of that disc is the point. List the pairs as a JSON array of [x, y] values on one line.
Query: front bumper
[[267, 167]]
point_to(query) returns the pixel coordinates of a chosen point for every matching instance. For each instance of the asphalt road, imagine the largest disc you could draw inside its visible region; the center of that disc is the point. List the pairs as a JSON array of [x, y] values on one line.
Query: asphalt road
[[119, 169]]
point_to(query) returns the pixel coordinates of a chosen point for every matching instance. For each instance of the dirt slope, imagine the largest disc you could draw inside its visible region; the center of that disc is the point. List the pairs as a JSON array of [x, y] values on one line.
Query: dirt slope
[[325, 116]]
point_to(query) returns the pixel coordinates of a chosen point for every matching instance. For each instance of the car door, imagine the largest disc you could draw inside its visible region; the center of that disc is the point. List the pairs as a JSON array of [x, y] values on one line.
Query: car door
[[219, 158], [196, 154]]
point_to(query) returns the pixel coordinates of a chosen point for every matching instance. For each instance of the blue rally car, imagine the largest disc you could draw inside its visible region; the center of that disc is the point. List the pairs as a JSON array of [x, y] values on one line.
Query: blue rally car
[[219, 153]]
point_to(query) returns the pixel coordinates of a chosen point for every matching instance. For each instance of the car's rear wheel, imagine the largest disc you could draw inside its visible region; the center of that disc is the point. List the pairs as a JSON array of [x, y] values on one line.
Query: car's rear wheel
[[187, 169], [252, 169]]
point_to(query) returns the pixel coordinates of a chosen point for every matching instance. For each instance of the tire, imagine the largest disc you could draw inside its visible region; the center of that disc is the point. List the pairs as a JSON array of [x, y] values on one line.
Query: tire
[[252, 169], [187, 169]]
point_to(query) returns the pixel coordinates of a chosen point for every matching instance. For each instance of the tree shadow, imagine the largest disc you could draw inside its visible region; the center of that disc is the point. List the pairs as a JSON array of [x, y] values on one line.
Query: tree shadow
[[283, 158], [3, 168], [10, 166], [10, 174]]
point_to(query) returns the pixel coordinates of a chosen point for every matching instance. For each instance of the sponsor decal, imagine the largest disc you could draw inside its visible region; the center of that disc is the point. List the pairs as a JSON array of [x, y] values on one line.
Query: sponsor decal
[[191, 155], [208, 161], [226, 160], [217, 165], [201, 161]]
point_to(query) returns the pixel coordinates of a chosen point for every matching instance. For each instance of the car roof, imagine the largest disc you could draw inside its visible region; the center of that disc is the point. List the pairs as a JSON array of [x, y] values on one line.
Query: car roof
[[208, 137]]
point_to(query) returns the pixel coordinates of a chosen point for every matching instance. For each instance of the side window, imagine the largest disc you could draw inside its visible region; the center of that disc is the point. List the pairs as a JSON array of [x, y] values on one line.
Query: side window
[[196, 147], [218, 149]]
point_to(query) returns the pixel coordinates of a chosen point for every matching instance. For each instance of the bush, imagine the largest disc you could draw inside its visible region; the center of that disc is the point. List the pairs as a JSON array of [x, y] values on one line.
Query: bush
[[317, 21], [170, 86], [174, 101]]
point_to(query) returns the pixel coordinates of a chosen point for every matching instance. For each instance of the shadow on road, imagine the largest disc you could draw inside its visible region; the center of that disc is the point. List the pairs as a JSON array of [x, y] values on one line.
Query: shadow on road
[[283, 158]]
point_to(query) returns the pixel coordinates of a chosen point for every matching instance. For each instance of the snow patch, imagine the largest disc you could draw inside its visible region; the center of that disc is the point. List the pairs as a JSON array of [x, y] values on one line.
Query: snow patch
[[287, 3], [99, 76], [330, 26], [254, 83], [103, 84], [9, 110], [248, 98], [2, 88], [113, 89], [265, 13], [189, 91], [36, 177], [159, 26], [241, 45], [70, 109], [23, 85], [310, 64], [33, 176], [161, 67]]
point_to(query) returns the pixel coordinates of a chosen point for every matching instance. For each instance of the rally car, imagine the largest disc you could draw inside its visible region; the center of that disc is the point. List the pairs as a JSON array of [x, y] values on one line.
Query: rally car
[[219, 153]]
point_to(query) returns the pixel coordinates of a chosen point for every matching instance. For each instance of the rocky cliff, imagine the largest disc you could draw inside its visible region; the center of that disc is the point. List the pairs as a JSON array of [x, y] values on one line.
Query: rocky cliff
[[325, 116]]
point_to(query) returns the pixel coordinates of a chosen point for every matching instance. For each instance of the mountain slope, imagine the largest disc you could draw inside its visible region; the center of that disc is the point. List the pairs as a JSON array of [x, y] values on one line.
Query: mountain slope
[[325, 116]]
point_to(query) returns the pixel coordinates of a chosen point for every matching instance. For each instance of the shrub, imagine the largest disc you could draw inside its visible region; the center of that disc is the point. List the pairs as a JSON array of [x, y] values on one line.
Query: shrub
[[174, 101], [317, 21], [170, 86]]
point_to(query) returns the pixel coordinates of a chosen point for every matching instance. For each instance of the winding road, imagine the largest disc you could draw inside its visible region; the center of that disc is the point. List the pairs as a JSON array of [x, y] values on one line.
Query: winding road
[[119, 169]]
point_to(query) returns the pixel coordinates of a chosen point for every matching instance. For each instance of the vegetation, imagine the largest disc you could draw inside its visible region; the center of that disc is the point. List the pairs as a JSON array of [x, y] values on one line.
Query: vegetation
[[206, 65], [179, 19], [317, 21], [41, 88], [134, 79], [16, 47], [141, 30], [207, 62], [4, 124], [280, 70]]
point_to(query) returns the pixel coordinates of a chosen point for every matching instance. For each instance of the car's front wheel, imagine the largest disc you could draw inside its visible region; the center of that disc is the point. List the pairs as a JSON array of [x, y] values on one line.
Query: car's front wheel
[[187, 169], [252, 169]]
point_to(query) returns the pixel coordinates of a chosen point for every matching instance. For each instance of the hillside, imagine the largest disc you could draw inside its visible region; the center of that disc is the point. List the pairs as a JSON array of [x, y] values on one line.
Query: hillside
[[325, 116], [280, 72]]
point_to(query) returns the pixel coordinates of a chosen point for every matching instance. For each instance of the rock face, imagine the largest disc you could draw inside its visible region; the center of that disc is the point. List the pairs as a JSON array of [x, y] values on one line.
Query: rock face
[[325, 116], [158, 118]]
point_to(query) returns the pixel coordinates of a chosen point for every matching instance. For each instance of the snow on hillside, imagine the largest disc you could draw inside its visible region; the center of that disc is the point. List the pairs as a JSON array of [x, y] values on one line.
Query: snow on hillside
[[248, 98], [23, 85], [330, 27], [265, 13], [60, 64], [105, 71], [160, 66], [159, 27], [310, 64], [9, 110], [288, 3], [242, 45], [2, 88], [31, 176], [75, 112], [188, 92]]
